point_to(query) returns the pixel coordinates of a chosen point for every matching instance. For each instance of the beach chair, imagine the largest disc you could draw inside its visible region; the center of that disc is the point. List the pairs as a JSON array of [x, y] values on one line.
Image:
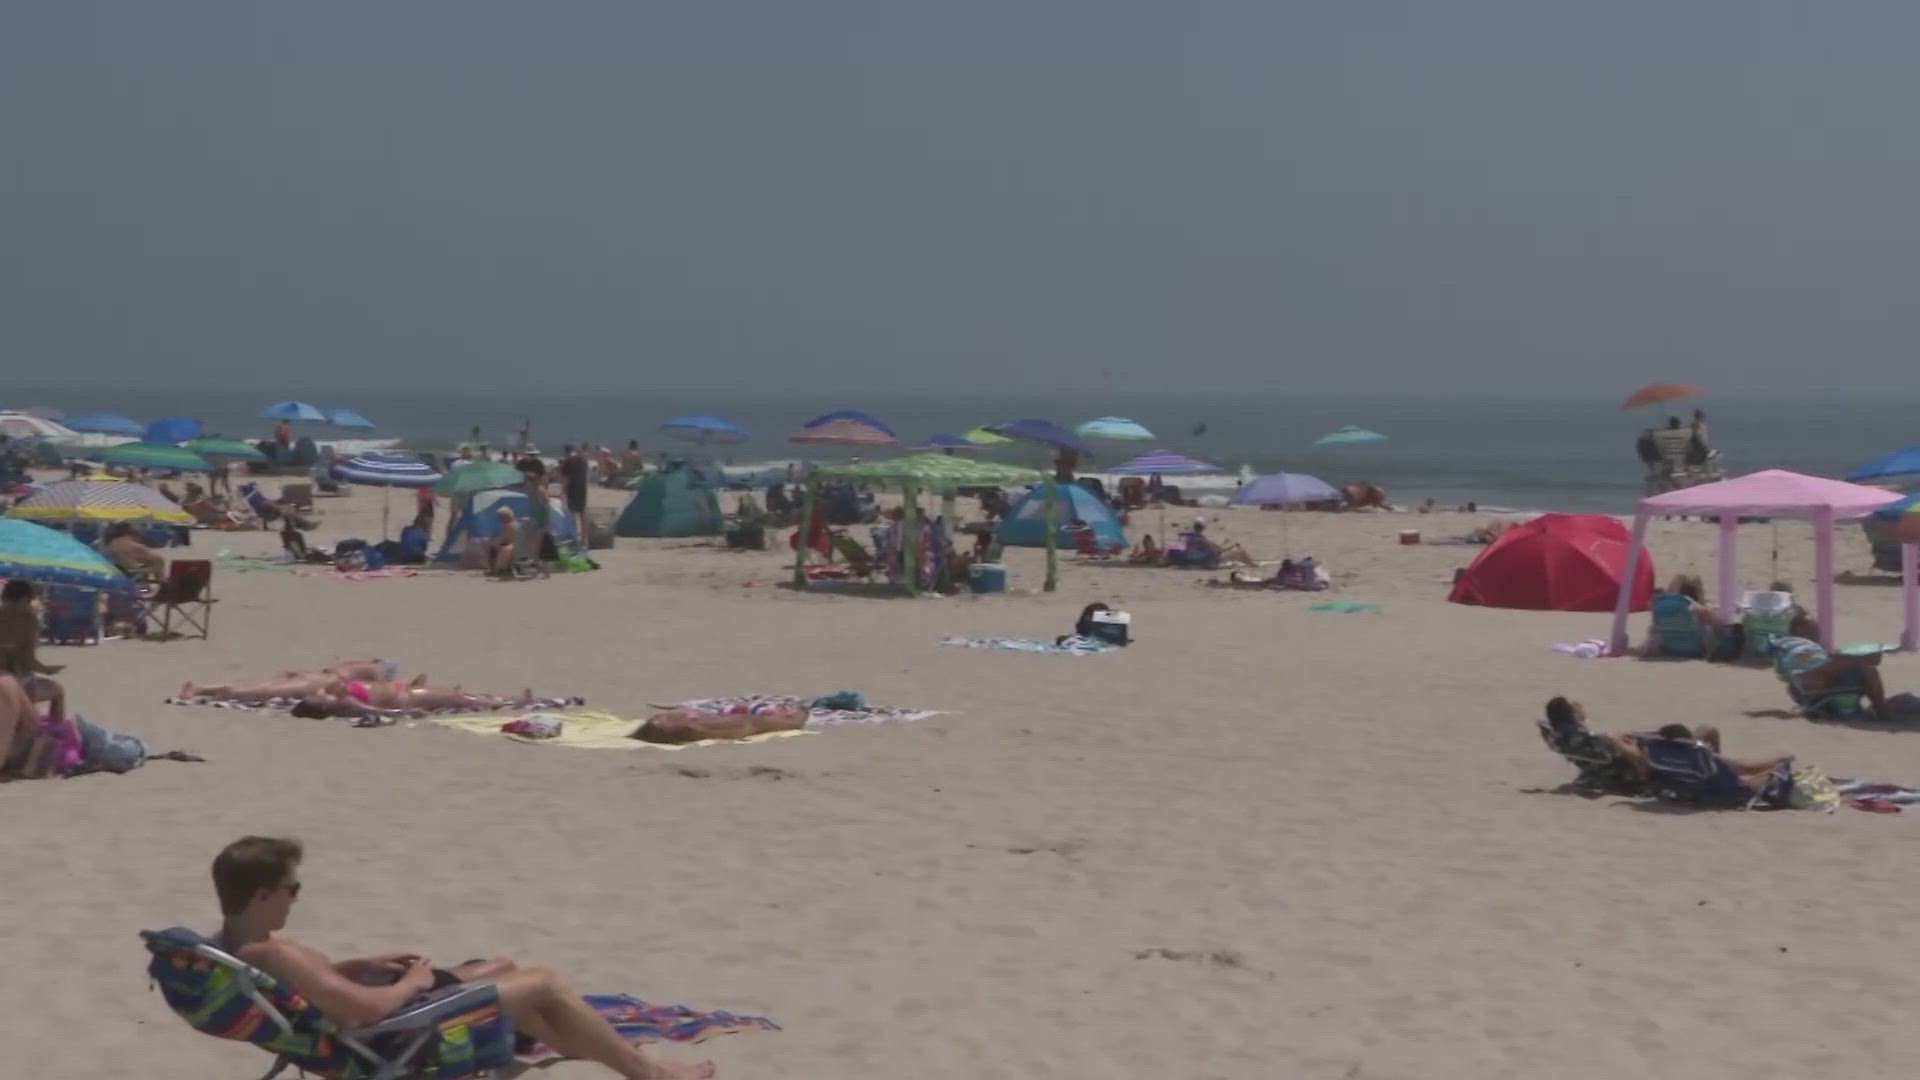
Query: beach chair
[[1764, 616], [1087, 545], [1689, 771], [1595, 757], [257, 501], [1678, 627], [70, 616], [1793, 658], [457, 1032], [861, 563], [188, 588], [299, 495]]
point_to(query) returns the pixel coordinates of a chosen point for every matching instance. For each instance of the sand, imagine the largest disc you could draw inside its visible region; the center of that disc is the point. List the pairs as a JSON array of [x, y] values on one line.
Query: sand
[[1261, 842]]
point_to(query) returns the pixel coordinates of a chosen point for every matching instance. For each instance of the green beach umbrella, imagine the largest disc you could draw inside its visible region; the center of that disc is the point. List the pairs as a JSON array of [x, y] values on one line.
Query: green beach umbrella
[[476, 477], [980, 436], [217, 450], [144, 455], [928, 471]]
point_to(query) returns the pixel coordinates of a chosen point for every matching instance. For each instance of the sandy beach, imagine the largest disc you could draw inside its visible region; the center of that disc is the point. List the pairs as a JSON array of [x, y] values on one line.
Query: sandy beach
[[1263, 841]]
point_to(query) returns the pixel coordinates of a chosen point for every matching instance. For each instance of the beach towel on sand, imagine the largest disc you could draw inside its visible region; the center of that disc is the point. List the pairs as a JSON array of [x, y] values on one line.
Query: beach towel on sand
[[583, 729], [832, 710], [384, 717], [1073, 645], [639, 1022]]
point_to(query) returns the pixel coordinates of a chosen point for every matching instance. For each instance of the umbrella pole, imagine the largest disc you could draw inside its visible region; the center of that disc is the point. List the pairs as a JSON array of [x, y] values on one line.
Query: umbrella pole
[[1053, 541], [386, 507], [802, 538]]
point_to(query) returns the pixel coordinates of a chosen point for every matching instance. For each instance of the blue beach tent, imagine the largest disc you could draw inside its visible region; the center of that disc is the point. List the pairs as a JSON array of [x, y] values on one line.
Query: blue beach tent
[[480, 519], [1025, 523]]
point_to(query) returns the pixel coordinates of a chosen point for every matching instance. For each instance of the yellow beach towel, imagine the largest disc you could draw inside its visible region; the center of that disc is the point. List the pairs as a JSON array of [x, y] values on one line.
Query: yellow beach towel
[[590, 729]]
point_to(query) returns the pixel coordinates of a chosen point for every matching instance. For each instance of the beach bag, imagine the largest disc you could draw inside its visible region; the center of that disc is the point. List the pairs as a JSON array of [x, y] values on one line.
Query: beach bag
[[108, 751]]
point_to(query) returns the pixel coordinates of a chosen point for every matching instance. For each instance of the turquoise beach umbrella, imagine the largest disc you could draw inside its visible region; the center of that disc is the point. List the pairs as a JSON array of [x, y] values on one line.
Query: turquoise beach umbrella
[[144, 455], [1348, 435]]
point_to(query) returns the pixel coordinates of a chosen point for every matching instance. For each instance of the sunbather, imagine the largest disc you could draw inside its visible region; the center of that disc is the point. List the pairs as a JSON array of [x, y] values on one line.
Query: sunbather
[[19, 729], [132, 556], [677, 726], [298, 684], [1148, 553], [1197, 549], [1828, 683], [1681, 623], [358, 697], [257, 880]]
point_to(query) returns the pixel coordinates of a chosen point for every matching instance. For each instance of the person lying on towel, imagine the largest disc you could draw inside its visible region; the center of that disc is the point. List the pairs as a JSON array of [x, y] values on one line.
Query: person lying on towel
[[676, 726], [257, 880], [357, 698]]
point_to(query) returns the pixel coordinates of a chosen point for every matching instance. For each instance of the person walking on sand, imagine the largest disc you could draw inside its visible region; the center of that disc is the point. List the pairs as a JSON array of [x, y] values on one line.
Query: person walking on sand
[[257, 881], [573, 475]]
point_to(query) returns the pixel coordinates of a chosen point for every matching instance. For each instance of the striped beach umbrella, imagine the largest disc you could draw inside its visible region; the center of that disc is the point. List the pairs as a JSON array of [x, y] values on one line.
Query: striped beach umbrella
[[846, 428], [98, 500], [33, 552], [1166, 462], [387, 470]]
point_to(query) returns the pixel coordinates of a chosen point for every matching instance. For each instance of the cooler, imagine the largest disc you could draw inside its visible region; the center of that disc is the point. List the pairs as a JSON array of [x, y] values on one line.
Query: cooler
[[987, 577], [1111, 626]]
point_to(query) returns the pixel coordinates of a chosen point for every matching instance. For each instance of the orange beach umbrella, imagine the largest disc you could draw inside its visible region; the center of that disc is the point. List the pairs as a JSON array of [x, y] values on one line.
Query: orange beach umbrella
[[1657, 393]]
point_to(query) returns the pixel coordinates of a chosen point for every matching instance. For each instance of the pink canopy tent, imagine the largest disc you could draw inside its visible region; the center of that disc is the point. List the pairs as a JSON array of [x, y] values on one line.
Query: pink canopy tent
[[1772, 493]]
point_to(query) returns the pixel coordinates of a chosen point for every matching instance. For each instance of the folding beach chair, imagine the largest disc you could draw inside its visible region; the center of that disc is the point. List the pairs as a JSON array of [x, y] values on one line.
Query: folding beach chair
[[861, 563], [188, 588], [1689, 771], [458, 1032], [70, 616]]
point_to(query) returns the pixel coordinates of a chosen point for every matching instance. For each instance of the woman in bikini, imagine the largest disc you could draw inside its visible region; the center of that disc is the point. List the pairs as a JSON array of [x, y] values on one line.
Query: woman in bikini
[[297, 684], [361, 697]]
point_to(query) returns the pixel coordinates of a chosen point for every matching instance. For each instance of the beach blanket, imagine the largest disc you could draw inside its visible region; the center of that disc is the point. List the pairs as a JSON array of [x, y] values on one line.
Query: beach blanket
[[1345, 607], [1870, 796], [639, 1022], [383, 717], [358, 575], [1073, 645], [1590, 649], [582, 729]]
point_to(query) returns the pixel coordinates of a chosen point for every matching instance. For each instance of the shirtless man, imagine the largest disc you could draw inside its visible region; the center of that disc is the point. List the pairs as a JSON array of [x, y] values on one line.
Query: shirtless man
[[258, 881]]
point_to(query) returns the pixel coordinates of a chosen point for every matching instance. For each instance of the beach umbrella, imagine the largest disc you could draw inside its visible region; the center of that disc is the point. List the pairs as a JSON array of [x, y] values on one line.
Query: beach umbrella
[[951, 444], [1285, 489], [218, 450], [1348, 435], [106, 423], [386, 471], [36, 553], [157, 456], [705, 428], [98, 500], [477, 476], [1899, 464], [347, 418], [293, 410], [982, 436], [1045, 432], [846, 428], [173, 430], [1659, 394], [1166, 462], [1117, 428], [23, 426]]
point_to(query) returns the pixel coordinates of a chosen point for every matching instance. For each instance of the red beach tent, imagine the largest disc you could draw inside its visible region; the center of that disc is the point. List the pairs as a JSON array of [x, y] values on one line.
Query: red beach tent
[[1556, 562]]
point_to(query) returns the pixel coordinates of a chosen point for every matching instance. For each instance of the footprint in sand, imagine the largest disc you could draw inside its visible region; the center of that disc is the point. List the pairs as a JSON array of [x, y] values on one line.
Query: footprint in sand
[[1217, 958]]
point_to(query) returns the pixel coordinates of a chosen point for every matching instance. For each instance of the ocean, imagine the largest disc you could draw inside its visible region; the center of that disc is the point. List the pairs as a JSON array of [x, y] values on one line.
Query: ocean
[[1557, 455]]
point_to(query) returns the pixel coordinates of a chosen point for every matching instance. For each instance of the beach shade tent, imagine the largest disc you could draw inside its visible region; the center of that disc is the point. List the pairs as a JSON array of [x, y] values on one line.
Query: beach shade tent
[[1773, 493], [948, 444], [347, 418], [386, 471], [473, 477], [1115, 428], [912, 474], [33, 552], [1659, 394], [1557, 562], [157, 456], [847, 427], [1285, 489], [172, 430], [26, 427], [1164, 462], [293, 410], [479, 519], [1025, 522], [1899, 465], [705, 429], [219, 450], [68, 501], [1065, 443], [105, 423], [1348, 436], [674, 502]]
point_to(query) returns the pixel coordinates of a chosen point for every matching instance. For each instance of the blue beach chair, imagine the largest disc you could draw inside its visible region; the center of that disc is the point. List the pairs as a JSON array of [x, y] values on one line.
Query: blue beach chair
[[1678, 627]]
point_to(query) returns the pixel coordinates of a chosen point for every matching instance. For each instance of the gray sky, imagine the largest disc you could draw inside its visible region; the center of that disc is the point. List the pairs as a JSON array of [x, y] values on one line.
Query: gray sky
[[1408, 199]]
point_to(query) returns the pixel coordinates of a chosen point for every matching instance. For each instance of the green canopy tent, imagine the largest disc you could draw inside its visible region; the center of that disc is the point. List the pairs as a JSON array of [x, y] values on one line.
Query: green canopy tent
[[940, 473]]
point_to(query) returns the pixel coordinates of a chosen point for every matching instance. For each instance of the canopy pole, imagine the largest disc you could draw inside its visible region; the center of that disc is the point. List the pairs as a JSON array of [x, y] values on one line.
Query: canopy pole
[[803, 540], [1053, 540], [1617, 640], [1729, 564], [1823, 572], [1910, 593], [910, 539]]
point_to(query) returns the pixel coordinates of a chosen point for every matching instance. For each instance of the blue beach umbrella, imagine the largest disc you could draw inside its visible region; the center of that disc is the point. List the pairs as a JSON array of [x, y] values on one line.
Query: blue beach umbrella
[[387, 470], [33, 552], [705, 428], [1285, 489], [1349, 435], [293, 410], [172, 430], [1117, 428], [347, 418], [106, 423], [1900, 463], [948, 443]]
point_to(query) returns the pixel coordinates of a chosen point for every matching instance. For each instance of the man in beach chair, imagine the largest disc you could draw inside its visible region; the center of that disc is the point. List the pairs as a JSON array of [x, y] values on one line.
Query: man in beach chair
[[1674, 762], [375, 1018], [1830, 687]]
